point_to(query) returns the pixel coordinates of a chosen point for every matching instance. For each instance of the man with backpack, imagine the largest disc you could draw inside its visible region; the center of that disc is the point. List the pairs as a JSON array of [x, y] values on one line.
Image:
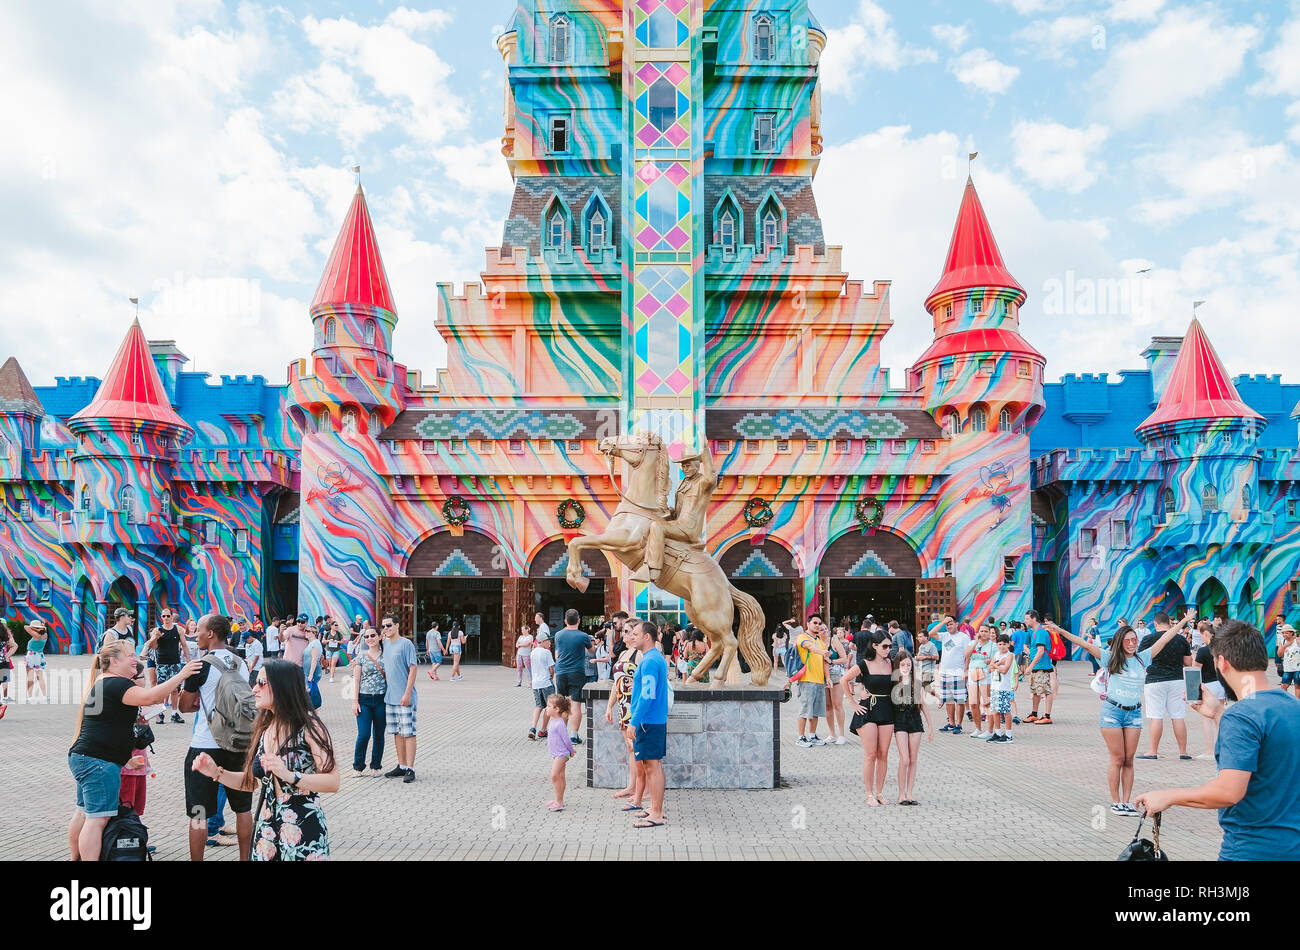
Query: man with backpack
[[1041, 667], [224, 708]]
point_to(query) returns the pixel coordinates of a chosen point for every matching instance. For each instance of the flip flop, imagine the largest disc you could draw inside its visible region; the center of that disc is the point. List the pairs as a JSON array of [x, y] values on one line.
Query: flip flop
[[630, 807], [647, 823], [1146, 757]]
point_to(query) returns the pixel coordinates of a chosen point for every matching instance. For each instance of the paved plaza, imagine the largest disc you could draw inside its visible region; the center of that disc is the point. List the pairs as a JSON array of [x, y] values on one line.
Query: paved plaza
[[482, 787]]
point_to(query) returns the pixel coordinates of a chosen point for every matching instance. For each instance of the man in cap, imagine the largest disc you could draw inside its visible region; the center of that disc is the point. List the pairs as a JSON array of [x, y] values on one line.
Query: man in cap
[[293, 640], [121, 629], [685, 522]]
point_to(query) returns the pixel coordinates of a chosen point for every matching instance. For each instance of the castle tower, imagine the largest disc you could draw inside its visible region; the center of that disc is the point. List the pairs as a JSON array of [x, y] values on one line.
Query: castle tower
[[20, 416], [984, 385], [354, 391], [1207, 442], [123, 465]]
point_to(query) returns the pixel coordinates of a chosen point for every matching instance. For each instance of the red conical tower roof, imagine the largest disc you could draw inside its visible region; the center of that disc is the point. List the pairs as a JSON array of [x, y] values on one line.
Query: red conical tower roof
[[1198, 386], [133, 389], [973, 256], [355, 272]]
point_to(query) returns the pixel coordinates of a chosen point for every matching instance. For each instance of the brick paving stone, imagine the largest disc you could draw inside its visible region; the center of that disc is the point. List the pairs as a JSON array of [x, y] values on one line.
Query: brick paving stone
[[482, 786]]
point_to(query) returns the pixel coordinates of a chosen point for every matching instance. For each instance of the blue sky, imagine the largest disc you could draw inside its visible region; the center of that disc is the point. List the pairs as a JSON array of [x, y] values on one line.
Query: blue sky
[[195, 153]]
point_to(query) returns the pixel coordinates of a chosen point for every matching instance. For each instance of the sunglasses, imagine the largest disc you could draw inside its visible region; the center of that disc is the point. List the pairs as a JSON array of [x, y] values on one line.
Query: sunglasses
[[372, 636], [387, 625]]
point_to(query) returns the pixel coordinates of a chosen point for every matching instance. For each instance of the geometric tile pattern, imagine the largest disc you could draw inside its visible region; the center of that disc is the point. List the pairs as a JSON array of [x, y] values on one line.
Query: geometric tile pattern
[[870, 565], [757, 565]]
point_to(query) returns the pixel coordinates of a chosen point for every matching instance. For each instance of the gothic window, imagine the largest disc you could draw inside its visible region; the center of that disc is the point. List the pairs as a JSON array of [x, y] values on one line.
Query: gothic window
[[323, 421], [559, 139], [727, 232], [1210, 498], [557, 231], [1004, 420], [85, 499], [126, 502], [597, 218], [375, 425], [370, 333], [331, 329], [770, 227], [979, 419], [771, 231], [596, 232], [350, 421], [764, 38], [951, 424], [561, 39], [765, 132], [1245, 497], [165, 505], [1169, 501]]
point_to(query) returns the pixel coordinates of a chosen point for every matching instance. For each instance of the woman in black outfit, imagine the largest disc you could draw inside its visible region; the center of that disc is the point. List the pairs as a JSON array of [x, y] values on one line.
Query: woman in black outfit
[[873, 719], [105, 739], [911, 720]]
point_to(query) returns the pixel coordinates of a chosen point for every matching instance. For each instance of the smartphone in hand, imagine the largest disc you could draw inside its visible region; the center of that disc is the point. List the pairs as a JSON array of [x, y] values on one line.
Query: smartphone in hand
[[1192, 682]]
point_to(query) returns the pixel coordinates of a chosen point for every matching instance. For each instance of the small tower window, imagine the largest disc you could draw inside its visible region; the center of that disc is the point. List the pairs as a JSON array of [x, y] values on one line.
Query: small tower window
[[331, 330], [165, 505], [323, 421], [947, 312], [596, 232], [85, 499], [370, 333], [951, 424], [771, 231], [727, 232], [1169, 501], [241, 540], [25, 511], [375, 424], [137, 440], [1245, 497], [126, 502], [764, 38], [979, 419], [1004, 420], [559, 134], [1210, 498], [765, 132], [209, 531], [557, 232], [561, 39], [350, 421]]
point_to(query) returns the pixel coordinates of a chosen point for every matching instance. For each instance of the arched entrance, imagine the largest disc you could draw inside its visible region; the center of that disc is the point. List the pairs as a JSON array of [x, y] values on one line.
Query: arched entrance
[[1212, 599], [87, 613], [869, 574], [1171, 601], [1246, 609], [459, 579], [550, 595], [767, 573]]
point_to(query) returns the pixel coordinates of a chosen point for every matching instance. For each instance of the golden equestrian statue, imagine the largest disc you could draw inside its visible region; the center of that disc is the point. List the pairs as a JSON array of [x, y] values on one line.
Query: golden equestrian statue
[[671, 543]]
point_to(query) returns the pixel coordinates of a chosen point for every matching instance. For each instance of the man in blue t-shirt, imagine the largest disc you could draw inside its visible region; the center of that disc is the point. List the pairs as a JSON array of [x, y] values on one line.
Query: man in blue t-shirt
[[1040, 668], [571, 649], [1258, 754], [649, 709]]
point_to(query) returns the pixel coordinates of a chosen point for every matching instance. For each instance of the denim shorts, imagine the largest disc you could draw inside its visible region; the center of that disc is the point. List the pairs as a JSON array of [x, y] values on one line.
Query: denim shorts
[[99, 785], [1112, 717]]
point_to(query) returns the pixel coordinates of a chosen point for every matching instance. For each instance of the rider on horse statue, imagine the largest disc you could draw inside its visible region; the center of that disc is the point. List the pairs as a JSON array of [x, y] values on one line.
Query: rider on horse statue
[[686, 520]]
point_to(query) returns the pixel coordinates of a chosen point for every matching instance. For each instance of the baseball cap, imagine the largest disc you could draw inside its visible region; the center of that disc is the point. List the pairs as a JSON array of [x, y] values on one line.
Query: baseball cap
[[303, 618], [122, 612]]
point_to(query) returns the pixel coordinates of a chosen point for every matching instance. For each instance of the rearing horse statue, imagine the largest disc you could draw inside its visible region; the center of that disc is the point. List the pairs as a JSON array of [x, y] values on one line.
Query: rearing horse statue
[[688, 571]]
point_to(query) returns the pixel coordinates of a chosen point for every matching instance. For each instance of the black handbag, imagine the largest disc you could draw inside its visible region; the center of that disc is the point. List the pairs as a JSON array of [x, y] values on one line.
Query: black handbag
[[143, 736], [1145, 849]]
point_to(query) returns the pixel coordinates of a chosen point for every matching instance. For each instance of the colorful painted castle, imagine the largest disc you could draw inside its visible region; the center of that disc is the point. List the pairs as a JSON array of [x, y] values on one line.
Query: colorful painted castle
[[662, 268]]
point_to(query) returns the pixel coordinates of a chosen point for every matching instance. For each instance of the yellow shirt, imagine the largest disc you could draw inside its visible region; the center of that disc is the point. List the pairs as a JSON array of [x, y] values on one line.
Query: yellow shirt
[[816, 669]]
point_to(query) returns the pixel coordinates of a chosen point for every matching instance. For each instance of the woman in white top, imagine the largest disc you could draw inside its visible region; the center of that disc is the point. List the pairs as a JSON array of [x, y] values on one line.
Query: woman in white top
[[523, 646]]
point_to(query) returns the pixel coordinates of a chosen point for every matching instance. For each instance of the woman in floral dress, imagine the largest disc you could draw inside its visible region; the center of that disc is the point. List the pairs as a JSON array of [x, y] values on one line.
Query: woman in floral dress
[[293, 760]]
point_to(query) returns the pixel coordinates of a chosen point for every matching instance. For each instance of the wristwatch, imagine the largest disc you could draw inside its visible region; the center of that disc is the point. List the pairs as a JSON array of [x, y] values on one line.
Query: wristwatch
[[297, 777]]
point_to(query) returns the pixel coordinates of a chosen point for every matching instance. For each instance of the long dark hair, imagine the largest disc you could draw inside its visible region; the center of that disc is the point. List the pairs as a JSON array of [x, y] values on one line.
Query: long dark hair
[[293, 708], [1118, 656], [874, 640], [911, 691]]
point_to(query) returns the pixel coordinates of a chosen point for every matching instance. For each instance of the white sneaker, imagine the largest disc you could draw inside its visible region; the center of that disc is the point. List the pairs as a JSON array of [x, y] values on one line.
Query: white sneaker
[[839, 740], [802, 742]]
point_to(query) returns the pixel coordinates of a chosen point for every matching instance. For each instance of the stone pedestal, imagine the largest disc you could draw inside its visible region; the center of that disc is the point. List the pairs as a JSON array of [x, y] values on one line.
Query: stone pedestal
[[718, 737]]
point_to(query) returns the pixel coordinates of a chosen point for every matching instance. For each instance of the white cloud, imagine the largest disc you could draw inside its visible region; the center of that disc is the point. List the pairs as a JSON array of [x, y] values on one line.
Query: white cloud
[[477, 166], [979, 69], [328, 100], [1293, 115], [1057, 156], [1030, 7], [1203, 174], [1123, 11], [415, 21], [1053, 39], [952, 35], [406, 73], [869, 41], [1188, 54], [1281, 63]]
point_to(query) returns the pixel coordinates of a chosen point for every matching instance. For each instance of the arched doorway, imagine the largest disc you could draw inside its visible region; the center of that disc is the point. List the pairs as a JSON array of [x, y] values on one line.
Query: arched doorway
[[550, 594], [869, 574], [122, 593], [767, 573], [1171, 601], [1212, 599], [1246, 609], [459, 579], [87, 632]]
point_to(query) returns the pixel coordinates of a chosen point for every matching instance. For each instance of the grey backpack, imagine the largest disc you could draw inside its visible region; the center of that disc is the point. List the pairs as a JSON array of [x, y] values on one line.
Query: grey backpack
[[233, 706]]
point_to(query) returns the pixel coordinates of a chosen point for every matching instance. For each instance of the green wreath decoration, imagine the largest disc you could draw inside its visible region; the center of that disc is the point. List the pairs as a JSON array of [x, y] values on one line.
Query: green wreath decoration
[[871, 513], [579, 515], [757, 512], [456, 510]]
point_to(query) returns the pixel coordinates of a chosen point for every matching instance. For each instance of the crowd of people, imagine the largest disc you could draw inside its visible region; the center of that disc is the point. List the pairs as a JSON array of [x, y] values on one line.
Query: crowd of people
[[256, 731]]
